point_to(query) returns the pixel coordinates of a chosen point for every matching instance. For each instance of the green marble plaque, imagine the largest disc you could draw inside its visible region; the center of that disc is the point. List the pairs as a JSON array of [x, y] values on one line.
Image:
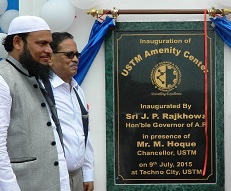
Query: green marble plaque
[[164, 125]]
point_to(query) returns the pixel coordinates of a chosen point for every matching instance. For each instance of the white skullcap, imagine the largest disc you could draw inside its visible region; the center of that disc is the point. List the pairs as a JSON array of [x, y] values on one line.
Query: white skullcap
[[25, 24]]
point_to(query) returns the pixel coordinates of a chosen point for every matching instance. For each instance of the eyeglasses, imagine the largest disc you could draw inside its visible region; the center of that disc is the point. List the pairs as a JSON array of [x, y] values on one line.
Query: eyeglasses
[[71, 54]]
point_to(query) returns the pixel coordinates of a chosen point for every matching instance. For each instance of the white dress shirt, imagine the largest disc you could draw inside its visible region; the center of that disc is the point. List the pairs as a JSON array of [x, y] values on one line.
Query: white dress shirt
[[69, 113], [8, 181]]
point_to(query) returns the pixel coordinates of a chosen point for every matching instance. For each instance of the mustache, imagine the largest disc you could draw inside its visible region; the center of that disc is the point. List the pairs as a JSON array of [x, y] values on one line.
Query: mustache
[[74, 64]]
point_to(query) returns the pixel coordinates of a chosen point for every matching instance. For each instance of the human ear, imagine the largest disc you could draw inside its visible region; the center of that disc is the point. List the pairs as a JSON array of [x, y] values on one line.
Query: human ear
[[18, 42]]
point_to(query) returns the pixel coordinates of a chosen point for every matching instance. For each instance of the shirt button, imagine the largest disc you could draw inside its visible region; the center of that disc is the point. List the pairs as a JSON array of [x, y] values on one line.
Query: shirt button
[[35, 85], [48, 123], [53, 143], [56, 163], [43, 104]]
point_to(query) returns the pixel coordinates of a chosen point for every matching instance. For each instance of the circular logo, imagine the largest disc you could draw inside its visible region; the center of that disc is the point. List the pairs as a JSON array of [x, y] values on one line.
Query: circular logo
[[166, 76]]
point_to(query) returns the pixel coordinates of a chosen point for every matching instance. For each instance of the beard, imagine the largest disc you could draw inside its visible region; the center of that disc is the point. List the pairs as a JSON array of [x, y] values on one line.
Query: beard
[[35, 68]]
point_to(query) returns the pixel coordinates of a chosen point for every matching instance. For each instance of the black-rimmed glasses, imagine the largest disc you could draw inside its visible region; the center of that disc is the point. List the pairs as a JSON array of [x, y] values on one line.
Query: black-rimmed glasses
[[71, 54]]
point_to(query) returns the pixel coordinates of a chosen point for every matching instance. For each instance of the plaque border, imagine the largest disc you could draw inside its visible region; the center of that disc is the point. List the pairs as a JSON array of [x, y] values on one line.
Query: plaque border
[[219, 107]]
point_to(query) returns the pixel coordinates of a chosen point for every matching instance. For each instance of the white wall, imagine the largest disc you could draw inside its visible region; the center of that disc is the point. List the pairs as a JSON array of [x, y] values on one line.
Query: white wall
[[94, 83]]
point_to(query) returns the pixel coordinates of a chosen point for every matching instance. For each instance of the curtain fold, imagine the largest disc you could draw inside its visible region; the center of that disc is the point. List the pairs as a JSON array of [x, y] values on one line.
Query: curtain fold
[[88, 54], [223, 28]]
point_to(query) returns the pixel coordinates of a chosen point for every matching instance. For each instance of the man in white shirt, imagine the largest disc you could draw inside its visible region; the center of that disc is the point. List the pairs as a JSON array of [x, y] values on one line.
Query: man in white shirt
[[31, 155], [77, 145]]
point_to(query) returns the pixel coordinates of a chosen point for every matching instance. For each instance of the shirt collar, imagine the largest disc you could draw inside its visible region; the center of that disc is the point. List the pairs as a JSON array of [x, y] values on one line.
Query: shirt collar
[[57, 81]]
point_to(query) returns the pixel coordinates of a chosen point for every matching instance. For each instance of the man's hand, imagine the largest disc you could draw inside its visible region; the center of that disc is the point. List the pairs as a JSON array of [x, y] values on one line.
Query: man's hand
[[88, 186]]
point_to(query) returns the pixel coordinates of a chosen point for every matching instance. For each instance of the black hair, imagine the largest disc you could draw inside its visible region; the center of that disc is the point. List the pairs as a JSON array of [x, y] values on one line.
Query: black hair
[[58, 38], [7, 42]]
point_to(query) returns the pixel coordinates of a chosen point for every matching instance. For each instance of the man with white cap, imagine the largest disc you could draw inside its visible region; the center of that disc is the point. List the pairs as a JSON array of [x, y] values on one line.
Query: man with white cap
[[31, 154]]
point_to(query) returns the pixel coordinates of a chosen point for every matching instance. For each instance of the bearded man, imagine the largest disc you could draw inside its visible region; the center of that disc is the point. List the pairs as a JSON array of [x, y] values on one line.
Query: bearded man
[[31, 153]]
